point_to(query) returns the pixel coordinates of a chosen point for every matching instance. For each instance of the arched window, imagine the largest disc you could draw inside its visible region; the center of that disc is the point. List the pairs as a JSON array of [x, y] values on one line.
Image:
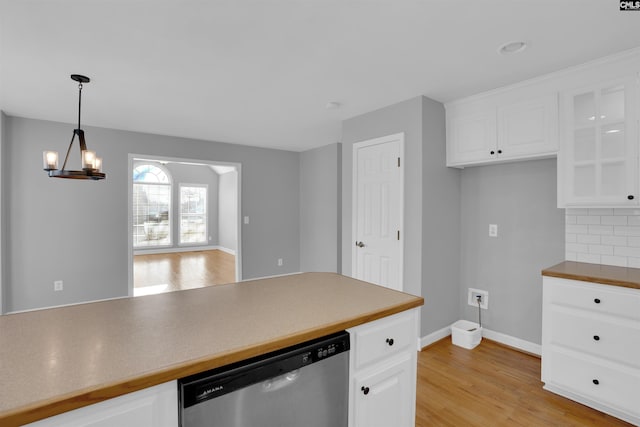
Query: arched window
[[151, 205]]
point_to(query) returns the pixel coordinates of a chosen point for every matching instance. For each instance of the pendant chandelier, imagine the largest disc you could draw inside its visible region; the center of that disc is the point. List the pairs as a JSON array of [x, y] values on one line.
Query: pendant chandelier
[[91, 165]]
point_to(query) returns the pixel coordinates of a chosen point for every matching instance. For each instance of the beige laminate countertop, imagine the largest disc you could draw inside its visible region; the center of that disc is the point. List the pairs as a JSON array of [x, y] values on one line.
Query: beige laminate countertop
[[59, 359], [596, 273]]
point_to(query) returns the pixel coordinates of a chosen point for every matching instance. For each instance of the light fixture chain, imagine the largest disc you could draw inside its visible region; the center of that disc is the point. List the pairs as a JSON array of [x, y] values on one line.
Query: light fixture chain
[[79, 102]]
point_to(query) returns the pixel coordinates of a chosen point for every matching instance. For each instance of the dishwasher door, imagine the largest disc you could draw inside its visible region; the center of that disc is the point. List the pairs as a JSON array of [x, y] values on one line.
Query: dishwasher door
[[305, 386]]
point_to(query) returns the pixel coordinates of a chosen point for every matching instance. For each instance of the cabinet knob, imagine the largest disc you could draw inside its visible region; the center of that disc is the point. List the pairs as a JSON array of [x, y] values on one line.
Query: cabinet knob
[[596, 337], [597, 300], [596, 382], [492, 152], [499, 151], [390, 341], [630, 197], [365, 390]]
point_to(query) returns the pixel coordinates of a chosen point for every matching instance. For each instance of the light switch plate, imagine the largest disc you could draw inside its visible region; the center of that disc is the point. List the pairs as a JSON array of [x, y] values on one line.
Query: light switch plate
[[493, 230]]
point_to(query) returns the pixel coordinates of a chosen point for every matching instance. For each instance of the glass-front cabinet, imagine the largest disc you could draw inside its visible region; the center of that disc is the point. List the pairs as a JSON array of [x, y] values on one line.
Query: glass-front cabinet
[[598, 159]]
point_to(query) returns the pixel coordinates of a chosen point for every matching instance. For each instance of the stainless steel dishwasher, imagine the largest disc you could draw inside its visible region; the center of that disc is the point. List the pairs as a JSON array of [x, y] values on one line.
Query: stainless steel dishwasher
[[306, 385]]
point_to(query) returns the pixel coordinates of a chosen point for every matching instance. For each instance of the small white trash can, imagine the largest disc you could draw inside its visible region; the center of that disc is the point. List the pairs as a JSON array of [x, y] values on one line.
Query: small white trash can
[[466, 334]]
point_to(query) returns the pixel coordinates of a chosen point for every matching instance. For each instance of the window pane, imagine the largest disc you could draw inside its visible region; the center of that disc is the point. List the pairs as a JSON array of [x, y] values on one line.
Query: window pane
[[584, 109], [150, 173], [193, 214], [151, 206]]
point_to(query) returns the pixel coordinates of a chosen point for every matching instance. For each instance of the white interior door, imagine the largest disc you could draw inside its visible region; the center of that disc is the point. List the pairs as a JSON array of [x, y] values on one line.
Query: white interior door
[[378, 211]]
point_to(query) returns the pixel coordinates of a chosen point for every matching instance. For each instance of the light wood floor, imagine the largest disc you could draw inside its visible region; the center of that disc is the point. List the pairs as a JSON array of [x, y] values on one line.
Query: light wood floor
[[182, 270], [492, 385]]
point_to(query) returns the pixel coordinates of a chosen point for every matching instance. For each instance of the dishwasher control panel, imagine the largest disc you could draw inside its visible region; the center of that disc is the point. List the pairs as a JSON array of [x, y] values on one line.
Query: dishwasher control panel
[[220, 381]]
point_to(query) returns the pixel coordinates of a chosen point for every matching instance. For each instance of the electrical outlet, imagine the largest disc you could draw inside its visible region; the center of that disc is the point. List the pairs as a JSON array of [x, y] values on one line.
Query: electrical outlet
[[58, 285], [493, 230], [473, 298], [280, 262]]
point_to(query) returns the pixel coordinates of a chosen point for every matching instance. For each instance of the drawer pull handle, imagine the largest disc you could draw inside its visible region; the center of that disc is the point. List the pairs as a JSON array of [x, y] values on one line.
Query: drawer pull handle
[[492, 152], [596, 382], [630, 197], [597, 300], [499, 151], [365, 390], [390, 341], [596, 337]]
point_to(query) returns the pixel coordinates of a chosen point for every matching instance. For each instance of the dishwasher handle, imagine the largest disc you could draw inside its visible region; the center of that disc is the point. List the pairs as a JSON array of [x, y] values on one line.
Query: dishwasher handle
[[281, 381]]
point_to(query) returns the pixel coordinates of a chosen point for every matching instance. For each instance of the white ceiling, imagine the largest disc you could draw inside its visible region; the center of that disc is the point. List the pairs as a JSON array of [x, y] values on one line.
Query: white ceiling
[[260, 72]]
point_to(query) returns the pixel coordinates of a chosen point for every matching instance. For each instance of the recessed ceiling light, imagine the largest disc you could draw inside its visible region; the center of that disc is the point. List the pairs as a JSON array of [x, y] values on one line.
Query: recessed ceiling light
[[512, 47], [333, 105]]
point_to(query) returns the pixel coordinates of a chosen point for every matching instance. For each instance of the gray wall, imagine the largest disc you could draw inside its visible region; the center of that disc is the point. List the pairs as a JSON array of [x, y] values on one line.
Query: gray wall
[[191, 174], [521, 199], [402, 117], [440, 224], [77, 231], [319, 209], [3, 138], [431, 203], [227, 210]]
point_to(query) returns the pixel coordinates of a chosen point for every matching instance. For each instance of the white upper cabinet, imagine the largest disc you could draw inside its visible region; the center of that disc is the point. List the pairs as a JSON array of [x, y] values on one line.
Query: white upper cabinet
[[471, 138], [529, 128], [497, 129], [598, 158]]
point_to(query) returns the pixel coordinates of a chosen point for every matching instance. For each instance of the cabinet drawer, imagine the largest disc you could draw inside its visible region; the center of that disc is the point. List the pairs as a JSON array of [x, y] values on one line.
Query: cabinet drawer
[[619, 342], [383, 338], [613, 300], [384, 398], [615, 388]]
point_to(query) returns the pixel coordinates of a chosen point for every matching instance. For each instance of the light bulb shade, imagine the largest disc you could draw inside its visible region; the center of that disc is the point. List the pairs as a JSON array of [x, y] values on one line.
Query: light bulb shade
[[88, 159], [98, 164], [50, 160]]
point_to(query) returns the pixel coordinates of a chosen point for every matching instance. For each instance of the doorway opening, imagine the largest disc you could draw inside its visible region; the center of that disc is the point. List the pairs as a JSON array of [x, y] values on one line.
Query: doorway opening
[[184, 224]]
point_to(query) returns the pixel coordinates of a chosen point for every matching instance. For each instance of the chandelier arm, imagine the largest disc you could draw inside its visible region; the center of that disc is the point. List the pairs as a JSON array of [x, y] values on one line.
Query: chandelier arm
[[68, 151]]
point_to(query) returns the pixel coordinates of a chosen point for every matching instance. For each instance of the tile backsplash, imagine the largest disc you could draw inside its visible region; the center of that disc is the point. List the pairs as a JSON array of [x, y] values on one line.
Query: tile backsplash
[[603, 236]]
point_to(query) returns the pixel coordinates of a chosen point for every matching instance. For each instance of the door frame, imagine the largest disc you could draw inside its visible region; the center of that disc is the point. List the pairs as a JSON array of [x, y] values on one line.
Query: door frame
[[354, 197], [132, 157]]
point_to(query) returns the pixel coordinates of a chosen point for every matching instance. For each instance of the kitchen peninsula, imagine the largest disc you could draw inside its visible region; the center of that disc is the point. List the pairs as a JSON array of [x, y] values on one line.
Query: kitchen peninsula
[[60, 359]]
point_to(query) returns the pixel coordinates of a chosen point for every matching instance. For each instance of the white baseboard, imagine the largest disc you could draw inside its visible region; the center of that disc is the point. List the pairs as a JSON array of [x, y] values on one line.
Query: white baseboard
[[271, 277], [64, 305], [182, 249], [514, 342], [226, 250], [505, 339], [434, 336]]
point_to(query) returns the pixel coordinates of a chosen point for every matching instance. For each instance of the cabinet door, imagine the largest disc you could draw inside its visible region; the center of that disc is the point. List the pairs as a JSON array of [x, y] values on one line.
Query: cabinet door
[[471, 138], [528, 128], [383, 397], [597, 164], [152, 407]]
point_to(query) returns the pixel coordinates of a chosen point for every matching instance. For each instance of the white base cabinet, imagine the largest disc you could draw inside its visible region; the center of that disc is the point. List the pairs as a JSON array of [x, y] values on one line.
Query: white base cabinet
[[383, 366], [155, 406], [591, 345]]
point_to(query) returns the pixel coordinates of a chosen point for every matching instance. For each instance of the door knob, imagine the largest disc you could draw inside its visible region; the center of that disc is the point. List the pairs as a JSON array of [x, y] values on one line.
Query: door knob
[[360, 244]]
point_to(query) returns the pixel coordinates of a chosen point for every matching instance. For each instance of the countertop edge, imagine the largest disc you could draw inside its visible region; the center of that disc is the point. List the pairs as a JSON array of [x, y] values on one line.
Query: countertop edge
[[594, 273], [64, 403]]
